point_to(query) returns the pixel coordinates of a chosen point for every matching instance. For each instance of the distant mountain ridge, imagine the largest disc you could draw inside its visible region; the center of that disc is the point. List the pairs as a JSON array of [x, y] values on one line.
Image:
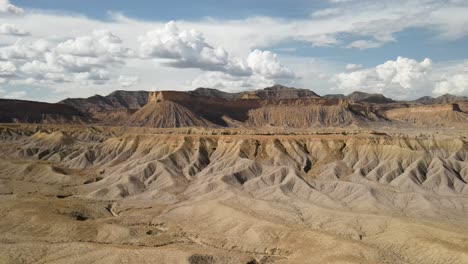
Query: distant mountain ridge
[[361, 97], [21, 111], [443, 99], [276, 106]]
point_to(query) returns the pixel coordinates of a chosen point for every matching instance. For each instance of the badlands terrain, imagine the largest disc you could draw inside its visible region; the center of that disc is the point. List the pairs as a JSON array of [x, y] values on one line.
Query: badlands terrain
[[278, 175]]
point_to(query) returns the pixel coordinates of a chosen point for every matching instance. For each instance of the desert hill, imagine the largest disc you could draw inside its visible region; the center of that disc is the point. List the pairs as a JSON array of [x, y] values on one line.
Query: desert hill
[[442, 114], [276, 106], [369, 98], [443, 99], [190, 110], [20, 111], [165, 114], [362, 97], [197, 195]]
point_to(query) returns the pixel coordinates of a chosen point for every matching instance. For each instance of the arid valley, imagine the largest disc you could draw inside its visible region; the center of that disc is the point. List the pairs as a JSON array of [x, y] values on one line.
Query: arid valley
[[277, 175], [234, 132]]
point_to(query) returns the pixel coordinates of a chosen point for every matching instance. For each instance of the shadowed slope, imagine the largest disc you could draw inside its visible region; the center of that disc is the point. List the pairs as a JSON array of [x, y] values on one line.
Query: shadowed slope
[[165, 114]]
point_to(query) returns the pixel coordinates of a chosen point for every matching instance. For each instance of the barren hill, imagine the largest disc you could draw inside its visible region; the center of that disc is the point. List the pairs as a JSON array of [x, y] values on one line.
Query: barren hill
[[192, 195], [20, 111], [277, 106], [369, 98], [443, 99], [165, 114], [443, 114]]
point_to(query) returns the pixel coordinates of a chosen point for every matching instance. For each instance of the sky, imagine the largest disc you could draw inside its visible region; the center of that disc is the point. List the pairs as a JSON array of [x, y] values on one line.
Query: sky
[[51, 50]]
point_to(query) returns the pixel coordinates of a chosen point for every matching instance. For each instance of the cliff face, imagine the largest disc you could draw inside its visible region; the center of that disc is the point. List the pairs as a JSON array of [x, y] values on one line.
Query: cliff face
[[444, 114], [278, 106], [117, 100], [180, 109]]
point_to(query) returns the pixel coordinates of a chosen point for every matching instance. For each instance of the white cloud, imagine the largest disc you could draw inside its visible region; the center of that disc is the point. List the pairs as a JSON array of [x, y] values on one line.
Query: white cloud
[[188, 49], [364, 44], [84, 60], [401, 78], [7, 69], [100, 44], [8, 8], [456, 84], [266, 64], [453, 80], [127, 81], [8, 29], [93, 76], [23, 51], [224, 46], [353, 67]]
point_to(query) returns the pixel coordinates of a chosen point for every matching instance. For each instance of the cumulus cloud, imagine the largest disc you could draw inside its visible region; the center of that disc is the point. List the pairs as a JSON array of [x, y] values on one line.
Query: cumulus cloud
[[84, 60], [7, 8], [266, 64], [8, 29], [188, 49], [456, 84], [24, 51], [266, 71], [100, 44], [222, 50], [127, 81], [400, 78], [455, 81]]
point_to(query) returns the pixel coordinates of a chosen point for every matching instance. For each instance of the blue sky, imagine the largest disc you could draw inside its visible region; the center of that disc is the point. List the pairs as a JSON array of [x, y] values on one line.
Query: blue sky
[[181, 9], [404, 49], [408, 45]]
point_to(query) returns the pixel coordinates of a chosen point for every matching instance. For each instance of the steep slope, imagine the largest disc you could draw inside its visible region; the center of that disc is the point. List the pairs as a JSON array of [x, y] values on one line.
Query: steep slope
[[116, 100], [19, 111], [165, 114], [231, 196], [445, 114], [305, 116]]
